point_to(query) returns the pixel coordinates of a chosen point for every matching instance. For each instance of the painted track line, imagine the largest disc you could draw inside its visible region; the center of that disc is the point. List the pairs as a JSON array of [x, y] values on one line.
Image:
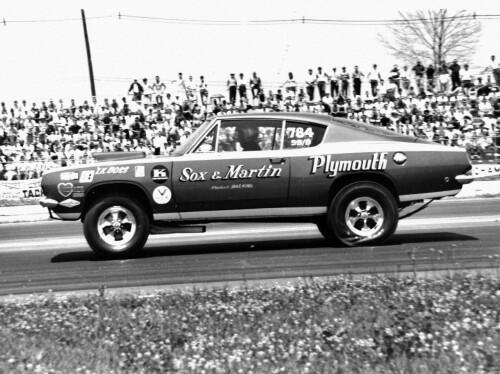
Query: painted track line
[[239, 233]]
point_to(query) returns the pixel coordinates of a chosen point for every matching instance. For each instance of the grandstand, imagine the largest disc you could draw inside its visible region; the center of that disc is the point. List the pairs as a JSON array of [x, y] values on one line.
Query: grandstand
[[156, 118]]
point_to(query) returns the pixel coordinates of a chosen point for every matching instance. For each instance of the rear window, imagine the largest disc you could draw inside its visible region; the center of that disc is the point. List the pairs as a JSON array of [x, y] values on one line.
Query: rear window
[[302, 135]]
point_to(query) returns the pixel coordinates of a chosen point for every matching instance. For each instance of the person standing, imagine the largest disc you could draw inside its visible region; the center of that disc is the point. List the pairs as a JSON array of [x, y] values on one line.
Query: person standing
[[321, 79], [242, 87], [344, 82], [374, 78], [394, 77], [418, 71], [334, 84], [148, 91], [404, 77], [191, 90], [455, 75], [136, 90], [158, 91], [429, 72], [232, 86], [310, 83], [203, 89], [357, 76], [181, 87], [444, 78], [466, 79]]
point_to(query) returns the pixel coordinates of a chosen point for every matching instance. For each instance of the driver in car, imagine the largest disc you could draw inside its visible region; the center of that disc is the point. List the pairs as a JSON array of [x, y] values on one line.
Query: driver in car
[[248, 138]]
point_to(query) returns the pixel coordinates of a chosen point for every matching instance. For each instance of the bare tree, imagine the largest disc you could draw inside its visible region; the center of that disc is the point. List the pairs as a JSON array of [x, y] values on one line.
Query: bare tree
[[433, 36]]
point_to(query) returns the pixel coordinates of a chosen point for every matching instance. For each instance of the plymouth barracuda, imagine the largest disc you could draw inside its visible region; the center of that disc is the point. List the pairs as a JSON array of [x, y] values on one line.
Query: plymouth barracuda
[[353, 180]]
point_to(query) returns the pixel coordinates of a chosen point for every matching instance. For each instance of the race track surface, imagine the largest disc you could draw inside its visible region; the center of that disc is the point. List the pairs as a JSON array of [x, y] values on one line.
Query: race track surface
[[450, 235]]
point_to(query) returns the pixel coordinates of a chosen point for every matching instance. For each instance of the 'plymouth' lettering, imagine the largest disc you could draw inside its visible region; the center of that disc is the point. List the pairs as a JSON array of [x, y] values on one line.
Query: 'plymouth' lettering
[[325, 163]]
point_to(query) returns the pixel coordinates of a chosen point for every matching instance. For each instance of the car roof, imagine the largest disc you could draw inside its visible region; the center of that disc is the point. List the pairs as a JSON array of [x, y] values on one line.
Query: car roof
[[323, 119]]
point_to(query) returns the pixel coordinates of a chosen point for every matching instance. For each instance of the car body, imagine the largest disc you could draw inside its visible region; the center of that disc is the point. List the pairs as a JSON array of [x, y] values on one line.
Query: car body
[[350, 178]]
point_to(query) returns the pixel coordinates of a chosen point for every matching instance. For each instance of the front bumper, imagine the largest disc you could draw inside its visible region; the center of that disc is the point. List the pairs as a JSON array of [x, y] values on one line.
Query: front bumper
[[51, 204], [468, 178], [48, 203]]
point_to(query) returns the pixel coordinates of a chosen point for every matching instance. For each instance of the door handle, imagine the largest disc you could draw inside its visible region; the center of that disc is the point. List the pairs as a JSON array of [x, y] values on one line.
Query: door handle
[[277, 160]]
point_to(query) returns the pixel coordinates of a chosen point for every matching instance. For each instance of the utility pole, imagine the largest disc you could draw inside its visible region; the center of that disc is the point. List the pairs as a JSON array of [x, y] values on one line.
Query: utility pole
[[89, 58]]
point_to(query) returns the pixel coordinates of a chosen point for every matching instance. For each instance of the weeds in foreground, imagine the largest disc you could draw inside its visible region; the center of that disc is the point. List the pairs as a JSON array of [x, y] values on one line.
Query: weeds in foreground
[[347, 324]]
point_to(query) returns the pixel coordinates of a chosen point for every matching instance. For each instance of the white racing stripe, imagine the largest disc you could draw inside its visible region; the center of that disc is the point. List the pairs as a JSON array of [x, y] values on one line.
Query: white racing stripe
[[23, 245], [448, 221], [239, 232]]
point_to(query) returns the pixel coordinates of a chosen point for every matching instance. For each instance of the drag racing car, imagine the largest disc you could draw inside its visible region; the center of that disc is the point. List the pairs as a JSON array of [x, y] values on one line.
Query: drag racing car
[[351, 179]]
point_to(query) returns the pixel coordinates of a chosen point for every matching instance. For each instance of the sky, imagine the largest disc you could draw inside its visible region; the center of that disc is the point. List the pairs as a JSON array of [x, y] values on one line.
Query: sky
[[44, 57]]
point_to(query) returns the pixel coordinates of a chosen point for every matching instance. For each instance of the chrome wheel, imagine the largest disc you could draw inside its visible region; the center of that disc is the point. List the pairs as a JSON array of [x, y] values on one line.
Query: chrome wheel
[[362, 213], [364, 217], [116, 226]]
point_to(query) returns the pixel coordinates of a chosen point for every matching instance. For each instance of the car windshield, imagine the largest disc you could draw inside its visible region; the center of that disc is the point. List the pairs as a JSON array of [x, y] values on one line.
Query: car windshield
[[192, 139]]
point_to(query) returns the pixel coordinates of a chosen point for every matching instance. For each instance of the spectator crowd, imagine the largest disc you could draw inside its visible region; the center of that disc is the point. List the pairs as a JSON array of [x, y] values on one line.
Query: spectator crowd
[[450, 105]]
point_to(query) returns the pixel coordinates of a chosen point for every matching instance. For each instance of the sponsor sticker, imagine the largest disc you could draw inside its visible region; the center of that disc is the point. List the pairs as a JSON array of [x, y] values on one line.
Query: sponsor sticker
[[69, 203], [78, 191], [67, 189], [112, 169], [87, 176], [140, 171], [69, 175], [159, 174], [162, 195]]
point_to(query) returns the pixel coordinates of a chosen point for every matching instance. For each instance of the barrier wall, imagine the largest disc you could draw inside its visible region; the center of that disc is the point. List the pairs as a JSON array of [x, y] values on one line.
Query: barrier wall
[[25, 189]]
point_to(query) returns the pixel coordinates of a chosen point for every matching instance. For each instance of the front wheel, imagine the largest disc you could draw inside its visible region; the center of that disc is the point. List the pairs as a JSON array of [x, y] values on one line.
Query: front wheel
[[361, 213], [116, 226]]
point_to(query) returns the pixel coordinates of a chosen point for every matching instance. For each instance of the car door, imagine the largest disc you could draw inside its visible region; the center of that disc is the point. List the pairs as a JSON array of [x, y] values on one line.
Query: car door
[[236, 170]]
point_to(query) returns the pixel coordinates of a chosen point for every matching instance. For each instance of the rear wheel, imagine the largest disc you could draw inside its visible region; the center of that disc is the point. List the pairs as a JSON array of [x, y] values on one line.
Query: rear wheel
[[361, 213], [116, 226]]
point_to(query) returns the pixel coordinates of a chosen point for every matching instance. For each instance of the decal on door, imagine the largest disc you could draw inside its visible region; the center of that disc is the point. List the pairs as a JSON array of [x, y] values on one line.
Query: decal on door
[[233, 172], [162, 195], [159, 174]]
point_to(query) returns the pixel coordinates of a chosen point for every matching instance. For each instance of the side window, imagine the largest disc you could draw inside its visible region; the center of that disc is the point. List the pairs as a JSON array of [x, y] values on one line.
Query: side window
[[208, 144], [245, 135], [302, 135]]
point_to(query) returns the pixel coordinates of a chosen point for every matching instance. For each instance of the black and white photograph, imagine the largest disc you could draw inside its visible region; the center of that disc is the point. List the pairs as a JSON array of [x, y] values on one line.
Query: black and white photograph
[[249, 187]]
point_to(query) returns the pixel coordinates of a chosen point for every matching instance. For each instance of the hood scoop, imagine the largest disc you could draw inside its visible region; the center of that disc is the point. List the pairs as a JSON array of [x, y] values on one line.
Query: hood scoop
[[113, 156]]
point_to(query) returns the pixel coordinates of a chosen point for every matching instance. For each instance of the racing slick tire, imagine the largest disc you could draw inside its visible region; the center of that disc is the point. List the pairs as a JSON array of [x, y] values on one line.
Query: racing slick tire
[[361, 213], [116, 226]]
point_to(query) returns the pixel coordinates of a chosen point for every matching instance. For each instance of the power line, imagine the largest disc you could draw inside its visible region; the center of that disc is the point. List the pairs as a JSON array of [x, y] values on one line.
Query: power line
[[270, 22], [5, 22], [304, 20]]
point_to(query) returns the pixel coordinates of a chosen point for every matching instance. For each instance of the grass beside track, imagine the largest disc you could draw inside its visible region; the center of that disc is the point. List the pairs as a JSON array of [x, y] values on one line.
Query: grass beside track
[[346, 324]]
